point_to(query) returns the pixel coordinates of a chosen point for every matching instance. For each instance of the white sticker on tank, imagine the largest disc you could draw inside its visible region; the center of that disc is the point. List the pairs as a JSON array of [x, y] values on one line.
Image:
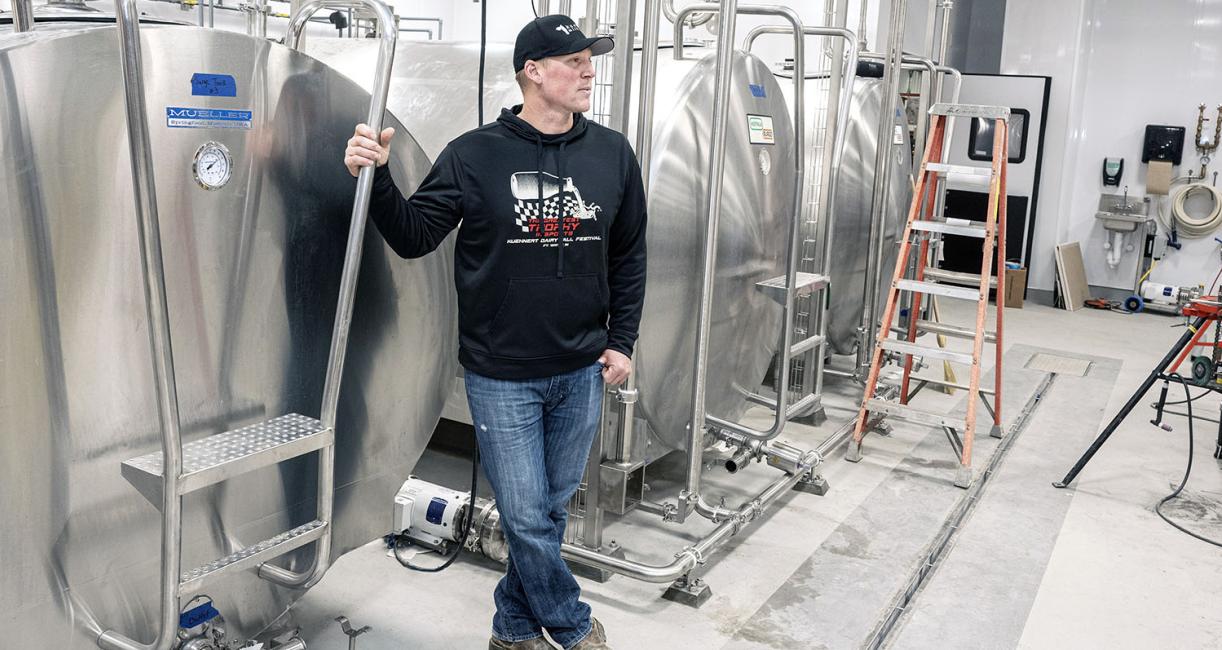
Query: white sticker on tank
[[898, 138], [760, 129]]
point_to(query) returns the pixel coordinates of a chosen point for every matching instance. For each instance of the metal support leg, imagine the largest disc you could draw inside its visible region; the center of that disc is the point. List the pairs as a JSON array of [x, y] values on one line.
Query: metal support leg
[[352, 634], [1218, 448], [688, 590], [612, 550], [1190, 335], [812, 484]]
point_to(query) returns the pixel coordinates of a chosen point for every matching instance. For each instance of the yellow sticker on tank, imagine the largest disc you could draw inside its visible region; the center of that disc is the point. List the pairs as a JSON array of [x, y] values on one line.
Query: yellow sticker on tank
[[760, 129]]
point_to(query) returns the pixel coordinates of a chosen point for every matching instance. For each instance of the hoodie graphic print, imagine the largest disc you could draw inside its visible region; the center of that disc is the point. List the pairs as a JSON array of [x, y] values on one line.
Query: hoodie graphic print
[[550, 249]]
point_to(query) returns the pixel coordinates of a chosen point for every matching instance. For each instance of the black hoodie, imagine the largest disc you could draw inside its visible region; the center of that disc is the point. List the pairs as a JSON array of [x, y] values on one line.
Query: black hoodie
[[527, 307]]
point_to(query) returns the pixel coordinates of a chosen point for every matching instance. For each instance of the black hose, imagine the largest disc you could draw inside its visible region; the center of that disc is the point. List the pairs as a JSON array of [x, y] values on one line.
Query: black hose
[[398, 540], [1187, 472]]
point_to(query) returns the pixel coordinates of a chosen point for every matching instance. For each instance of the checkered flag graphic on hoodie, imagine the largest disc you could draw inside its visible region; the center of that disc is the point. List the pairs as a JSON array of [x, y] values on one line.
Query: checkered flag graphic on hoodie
[[554, 208], [527, 188]]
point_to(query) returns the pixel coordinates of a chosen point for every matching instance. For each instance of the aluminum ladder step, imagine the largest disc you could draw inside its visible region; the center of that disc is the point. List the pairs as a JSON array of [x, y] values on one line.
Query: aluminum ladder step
[[933, 288], [251, 556], [808, 343], [910, 414], [944, 228], [796, 409], [213, 459], [983, 390], [958, 277], [806, 284], [954, 331], [960, 170], [904, 347], [970, 110]]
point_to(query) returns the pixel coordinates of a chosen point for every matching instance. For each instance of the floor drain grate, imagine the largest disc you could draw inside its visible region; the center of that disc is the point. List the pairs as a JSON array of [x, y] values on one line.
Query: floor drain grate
[[1058, 364]]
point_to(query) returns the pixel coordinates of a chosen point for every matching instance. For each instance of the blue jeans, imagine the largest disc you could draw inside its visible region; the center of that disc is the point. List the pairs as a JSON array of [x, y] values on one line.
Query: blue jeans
[[534, 441]]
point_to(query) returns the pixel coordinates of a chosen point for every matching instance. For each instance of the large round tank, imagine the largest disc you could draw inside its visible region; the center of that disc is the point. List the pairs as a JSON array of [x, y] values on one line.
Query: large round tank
[[252, 271], [851, 225], [757, 206], [433, 85]]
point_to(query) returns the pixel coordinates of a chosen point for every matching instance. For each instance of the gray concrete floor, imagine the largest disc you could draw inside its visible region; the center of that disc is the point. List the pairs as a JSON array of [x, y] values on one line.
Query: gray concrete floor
[[1031, 567]]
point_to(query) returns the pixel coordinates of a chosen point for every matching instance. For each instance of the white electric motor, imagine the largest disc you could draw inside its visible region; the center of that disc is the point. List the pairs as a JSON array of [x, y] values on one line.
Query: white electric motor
[[429, 514]]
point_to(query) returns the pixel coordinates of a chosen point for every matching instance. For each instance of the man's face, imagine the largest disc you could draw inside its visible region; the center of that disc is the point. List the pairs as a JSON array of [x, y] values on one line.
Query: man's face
[[567, 81]]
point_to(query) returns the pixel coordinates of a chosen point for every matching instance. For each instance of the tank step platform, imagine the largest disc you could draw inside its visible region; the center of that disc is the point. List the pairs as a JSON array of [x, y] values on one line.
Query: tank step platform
[[251, 556], [216, 458]]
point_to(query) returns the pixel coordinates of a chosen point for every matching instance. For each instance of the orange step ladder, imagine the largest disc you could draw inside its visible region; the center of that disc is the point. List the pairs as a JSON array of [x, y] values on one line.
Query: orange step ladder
[[926, 280]]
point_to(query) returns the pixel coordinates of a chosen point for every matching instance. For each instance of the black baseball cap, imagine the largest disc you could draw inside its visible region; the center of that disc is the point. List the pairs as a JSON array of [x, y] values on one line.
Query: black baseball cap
[[555, 35]]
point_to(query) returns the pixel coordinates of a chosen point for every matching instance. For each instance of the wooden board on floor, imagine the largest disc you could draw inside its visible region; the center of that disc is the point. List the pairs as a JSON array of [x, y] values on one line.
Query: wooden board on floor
[[1071, 274]]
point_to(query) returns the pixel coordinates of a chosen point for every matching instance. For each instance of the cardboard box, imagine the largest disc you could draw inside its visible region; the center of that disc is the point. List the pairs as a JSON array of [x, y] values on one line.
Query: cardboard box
[[1016, 288]]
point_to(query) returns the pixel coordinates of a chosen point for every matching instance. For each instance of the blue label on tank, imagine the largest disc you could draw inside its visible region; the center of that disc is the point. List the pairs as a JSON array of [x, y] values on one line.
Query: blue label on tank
[[757, 90], [436, 510], [213, 85], [197, 615], [207, 118]]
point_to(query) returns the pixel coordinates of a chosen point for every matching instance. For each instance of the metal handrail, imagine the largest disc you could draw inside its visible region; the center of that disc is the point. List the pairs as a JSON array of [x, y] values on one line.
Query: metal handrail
[[729, 10], [668, 8], [347, 290], [440, 24], [23, 15], [832, 162], [714, 202], [127, 19], [650, 36], [882, 181]]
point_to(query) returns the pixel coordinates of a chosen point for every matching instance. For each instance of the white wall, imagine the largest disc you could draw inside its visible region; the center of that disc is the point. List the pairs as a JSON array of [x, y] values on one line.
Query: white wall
[[1116, 65]]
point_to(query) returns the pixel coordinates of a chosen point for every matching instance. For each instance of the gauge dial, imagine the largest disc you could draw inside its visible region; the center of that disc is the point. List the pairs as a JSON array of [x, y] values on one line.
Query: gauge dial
[[212, 166]]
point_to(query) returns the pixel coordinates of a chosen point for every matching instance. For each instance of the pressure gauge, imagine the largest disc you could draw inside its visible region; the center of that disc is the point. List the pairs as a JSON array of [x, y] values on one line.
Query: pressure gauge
[[212, 166]]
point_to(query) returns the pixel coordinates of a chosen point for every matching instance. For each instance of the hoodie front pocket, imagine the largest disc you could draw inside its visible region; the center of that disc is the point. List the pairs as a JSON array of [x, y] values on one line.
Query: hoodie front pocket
[[549, 317]]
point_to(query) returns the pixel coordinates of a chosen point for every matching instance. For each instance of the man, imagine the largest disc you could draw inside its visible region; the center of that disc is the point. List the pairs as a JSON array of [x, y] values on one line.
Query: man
[[550, 271]]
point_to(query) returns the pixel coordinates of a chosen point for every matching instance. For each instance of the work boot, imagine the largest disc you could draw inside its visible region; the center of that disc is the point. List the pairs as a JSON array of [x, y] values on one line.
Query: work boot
[[595, 640], [537, 643]]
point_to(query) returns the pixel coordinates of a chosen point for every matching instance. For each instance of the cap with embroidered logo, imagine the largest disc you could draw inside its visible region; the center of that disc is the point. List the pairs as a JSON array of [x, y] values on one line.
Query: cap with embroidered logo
[[555, 35]]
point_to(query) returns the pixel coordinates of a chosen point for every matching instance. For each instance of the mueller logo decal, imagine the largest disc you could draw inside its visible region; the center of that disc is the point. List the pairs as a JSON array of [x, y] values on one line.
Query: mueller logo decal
[[562, 207], [567, 29], [178, 117]]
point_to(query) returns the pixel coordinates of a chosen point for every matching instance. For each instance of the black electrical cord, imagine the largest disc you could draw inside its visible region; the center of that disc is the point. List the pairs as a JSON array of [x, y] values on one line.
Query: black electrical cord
[[1187, 472], [397, 540], [1191, 399], [534, 8]]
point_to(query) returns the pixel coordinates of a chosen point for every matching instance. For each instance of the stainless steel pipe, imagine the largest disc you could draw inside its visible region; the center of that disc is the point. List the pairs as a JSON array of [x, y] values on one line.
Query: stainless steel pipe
[[621, 73], [882, 178], [644, 154], [429, 19], [692, 556], [388, 35], [144, 186], [862, 23], [947, 7], [693, 20], [23, 15], [695, 555]]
